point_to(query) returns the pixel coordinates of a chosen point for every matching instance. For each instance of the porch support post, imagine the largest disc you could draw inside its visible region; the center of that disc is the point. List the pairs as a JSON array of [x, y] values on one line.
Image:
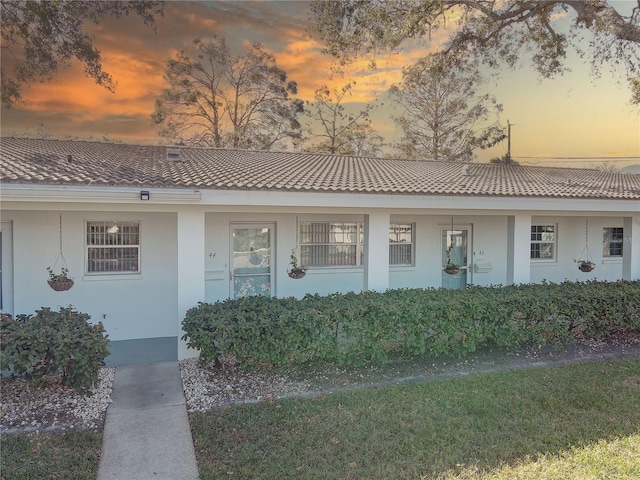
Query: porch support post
[[191, 256], [518, 249], [631, 248], [376, 251]]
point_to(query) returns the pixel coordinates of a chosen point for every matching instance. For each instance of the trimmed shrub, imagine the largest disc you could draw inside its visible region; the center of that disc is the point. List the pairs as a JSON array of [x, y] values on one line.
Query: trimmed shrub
[[49, 343], [355, 328]]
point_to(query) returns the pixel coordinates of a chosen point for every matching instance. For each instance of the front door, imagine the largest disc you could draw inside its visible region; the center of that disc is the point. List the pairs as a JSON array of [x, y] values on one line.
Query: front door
[[457, 242], [251, 260]]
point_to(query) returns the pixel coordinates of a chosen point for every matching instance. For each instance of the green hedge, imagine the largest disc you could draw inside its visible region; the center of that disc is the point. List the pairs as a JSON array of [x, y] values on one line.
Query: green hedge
[[353, 328], [51, 342]]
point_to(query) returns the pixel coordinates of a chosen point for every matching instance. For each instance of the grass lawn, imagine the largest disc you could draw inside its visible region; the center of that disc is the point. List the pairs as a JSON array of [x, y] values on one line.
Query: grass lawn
[[68, 456], [580, 421]]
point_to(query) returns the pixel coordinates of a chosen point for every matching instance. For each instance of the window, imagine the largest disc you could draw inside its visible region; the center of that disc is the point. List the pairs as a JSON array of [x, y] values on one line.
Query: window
[[401, 244], [543, 242], [612, 239], [113, 247], [331, 244]]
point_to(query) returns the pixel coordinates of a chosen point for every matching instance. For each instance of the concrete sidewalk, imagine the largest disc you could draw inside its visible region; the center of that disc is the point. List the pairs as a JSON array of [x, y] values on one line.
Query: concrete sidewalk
[[146, 433]]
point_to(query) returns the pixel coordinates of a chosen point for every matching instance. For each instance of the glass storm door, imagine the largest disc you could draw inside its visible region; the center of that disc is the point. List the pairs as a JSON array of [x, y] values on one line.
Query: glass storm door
[[250, 263], [458, 240]]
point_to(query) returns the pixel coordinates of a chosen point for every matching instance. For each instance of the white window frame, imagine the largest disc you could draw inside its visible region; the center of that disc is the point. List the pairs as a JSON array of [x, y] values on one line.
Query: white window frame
[[395, 240], [116, 242], [608, 241], [307, 242], [554, 242]]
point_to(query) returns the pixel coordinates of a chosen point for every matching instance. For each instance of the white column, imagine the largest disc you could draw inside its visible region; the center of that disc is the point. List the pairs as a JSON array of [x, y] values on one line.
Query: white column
[[191, 257], [376, 252], [631, 248], [6, 233], [519, 249]]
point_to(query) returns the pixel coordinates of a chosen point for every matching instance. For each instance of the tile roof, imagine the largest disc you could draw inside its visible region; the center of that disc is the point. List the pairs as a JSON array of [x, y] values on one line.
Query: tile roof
[[67, 162]]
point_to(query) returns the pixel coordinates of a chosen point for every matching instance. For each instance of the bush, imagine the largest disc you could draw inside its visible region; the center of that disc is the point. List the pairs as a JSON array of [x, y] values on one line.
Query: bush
[[49, 343], [355, 328]]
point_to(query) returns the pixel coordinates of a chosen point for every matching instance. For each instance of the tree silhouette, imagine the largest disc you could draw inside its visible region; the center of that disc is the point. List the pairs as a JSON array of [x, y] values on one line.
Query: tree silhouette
[[218, 99]]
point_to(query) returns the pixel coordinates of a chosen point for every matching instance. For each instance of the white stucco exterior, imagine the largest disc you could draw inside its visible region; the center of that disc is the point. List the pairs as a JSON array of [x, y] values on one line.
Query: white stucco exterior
[[185, 246], [116, 300]]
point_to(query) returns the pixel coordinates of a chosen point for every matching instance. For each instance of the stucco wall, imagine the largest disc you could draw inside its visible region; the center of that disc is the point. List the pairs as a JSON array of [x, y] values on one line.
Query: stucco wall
[[488, 244], [321, 281], [571, 243], [145, 305], [130, 306], [489, 238]]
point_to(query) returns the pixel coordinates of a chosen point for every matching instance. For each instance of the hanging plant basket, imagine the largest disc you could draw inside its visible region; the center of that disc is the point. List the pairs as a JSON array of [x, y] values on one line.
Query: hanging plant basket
[[585, 263], [60, 286], [450, 266], [296, 273], [452, 270], [60, 282], [585, 266]]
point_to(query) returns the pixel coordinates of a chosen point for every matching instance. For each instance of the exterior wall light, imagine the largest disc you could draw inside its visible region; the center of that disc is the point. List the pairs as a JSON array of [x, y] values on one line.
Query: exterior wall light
[[144, 195]]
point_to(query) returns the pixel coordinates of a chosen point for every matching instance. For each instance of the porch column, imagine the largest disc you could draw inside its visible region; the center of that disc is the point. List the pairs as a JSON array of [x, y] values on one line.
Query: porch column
[[190, 269], [631, 248], [518, 249], [376, 252]]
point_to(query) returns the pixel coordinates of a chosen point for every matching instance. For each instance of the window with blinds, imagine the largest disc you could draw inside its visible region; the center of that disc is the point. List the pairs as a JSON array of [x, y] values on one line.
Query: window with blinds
[[612, 240], [329, 244], [401, 243], [113, 247]]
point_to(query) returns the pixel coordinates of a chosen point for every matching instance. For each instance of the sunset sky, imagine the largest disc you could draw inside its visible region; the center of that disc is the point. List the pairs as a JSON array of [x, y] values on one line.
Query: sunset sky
[[572, 117]]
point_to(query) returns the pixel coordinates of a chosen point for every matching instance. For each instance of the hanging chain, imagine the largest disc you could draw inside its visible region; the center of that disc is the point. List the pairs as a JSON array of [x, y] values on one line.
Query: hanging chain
[[60, 233], [586, 231]]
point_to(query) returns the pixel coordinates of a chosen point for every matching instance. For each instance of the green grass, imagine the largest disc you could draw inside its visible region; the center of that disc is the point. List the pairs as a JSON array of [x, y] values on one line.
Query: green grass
[[541, 423], [68, 456]]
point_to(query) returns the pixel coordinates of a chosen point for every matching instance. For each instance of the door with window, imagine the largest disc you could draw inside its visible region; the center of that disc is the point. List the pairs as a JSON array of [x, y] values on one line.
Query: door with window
[[250, 271], [455, 249]]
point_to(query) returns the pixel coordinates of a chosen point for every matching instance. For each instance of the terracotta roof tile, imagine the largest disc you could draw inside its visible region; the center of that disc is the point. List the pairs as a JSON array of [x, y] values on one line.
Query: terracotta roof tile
[[69, 162]]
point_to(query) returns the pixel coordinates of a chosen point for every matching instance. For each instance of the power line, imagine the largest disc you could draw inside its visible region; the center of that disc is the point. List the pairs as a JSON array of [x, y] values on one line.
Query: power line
[[581, 159]]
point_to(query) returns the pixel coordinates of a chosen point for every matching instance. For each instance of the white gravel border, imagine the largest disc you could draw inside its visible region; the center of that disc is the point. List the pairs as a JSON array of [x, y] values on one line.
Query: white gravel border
[[54, 407], [206, 388]]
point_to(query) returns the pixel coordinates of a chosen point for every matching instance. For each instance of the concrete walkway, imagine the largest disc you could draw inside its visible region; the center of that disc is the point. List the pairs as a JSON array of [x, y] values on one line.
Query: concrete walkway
[[146, 433]]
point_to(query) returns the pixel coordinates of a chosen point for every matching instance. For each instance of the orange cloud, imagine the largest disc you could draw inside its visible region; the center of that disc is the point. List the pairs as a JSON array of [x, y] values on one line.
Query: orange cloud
[[556, 117]]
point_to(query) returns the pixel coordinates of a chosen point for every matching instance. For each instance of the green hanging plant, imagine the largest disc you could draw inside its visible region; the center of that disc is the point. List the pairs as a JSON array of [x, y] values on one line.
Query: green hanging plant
[[450, 267], [296, 271], [59, 281]]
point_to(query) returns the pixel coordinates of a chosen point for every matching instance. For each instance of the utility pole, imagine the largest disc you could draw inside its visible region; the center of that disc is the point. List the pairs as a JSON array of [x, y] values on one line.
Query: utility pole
[[509, 140]]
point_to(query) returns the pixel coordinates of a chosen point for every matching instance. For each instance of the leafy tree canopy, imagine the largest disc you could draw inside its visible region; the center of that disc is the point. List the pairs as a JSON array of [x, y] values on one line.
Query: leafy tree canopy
[[337, 131], [443, 118], [219, 99], [38, 37], [495, 31]]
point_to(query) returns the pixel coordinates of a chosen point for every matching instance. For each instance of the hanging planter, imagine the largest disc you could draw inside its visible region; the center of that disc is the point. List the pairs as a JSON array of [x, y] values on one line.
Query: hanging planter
[[451, 269], [296, 271], [450, 266], [60, 282], [60, 286], [585, 263]]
